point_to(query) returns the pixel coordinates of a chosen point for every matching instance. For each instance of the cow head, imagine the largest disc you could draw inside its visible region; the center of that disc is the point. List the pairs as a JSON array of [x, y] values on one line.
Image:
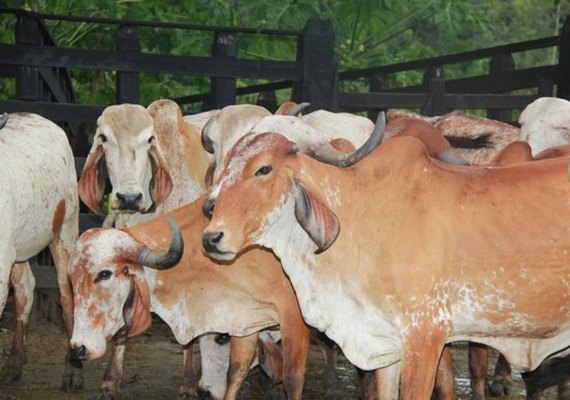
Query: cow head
[[546, 123], [259, 190], [224, 129], [125, 141], [110, 293]]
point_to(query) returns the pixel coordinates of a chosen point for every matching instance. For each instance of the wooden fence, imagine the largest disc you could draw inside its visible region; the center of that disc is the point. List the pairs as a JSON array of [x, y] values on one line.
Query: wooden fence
[[41, 68]]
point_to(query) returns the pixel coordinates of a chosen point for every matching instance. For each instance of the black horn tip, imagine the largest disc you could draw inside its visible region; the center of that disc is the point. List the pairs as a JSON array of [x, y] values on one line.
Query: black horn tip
[[153, 259], [3, 120]]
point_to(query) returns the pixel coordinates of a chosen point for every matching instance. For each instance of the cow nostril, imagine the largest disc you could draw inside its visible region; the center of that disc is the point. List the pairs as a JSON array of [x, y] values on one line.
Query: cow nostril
[[79, 353], [129, 201], [204, 394], [211, 240]]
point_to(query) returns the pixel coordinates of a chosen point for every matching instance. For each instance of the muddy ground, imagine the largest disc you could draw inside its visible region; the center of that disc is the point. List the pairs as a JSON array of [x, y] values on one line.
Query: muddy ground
[[153, 366]]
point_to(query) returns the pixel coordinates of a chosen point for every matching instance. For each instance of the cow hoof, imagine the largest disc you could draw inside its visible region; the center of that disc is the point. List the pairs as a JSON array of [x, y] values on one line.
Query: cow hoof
[[500, 388], [72, 381], [10, 373], [108, 394]]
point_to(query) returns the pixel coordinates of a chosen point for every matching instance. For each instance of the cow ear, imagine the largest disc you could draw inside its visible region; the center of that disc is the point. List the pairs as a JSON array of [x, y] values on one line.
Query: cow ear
[[320, 223], [270, 358], [161, 182], [136, 311], [91, 184]]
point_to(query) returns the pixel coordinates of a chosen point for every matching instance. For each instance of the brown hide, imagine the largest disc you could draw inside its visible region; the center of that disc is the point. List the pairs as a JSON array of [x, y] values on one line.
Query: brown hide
[[247, 295], [435, 248]]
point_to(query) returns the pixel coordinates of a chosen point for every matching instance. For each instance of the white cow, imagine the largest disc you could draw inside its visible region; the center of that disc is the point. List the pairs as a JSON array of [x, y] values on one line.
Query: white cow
[[39, 208], [156, 163], [232, 122], [546, 123]]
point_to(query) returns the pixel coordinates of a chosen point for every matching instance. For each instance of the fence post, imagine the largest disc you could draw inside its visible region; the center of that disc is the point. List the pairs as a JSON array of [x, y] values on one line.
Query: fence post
[[223, 90], [267, 99], [127, 82], [545, 88], [564, 62], [376, 83], [315, 53], [28, 78], [434, 82], [499, 64]]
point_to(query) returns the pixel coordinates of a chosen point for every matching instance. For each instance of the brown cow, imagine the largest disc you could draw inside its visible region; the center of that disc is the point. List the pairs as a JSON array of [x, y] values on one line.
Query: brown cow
[[197, 296], [474, 139], [409, 252]]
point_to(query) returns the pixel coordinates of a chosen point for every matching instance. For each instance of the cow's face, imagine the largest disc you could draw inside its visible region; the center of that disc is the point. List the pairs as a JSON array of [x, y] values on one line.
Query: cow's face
[[258, 200], [109, 290], [251, 192], [223, 130], [125, 140]]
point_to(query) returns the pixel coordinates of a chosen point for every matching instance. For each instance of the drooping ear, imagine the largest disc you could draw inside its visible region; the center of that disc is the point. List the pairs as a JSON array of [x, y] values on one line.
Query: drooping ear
[[270, 358], [136, 311], [320, 223], [161, 182], [91, 184]]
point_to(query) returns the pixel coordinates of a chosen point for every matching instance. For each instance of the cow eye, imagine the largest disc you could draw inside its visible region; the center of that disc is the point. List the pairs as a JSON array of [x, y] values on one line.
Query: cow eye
[[151, 139], [266, 169], [103, 275], [103, 138], [222, 339]]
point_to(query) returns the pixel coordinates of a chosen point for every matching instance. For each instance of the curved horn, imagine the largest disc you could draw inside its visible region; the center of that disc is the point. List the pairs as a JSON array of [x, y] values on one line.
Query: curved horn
[[330, 155], [295, 111], [3, 120], [207, 141], [450, 158], [157, 260]]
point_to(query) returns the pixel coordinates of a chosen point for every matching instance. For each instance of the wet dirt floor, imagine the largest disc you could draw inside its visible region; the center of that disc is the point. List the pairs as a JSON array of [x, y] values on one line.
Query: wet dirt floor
[[153, 366]]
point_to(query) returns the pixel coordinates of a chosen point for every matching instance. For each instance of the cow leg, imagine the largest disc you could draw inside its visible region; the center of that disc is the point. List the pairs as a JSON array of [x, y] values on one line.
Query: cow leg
[[242, 352], [478, 365], [421, 352], [387, 382], [295, 341], [367, 384], [23, 284], [111, 385], [72, 378], [564, 389], [330, 354], [501, 382], [445, 382], [187, 388]]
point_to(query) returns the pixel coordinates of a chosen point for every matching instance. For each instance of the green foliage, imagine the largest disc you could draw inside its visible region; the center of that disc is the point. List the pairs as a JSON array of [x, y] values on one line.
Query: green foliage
[[368, 33]]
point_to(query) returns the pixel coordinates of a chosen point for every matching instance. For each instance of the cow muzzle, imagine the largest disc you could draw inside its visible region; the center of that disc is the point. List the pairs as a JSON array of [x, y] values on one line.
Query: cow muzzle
[[128, 202], [78, 354], [211, 242]]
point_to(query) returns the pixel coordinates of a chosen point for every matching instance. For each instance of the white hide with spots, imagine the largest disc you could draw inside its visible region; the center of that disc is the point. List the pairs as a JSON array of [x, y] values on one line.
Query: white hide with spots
[[39, 202]]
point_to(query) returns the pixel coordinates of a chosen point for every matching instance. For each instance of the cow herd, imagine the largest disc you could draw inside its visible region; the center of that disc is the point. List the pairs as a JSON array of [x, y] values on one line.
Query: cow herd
[[393, 239]]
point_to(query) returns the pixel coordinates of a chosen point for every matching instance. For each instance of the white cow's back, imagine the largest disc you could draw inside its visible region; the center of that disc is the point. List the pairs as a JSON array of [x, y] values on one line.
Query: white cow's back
[[38, 177]]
